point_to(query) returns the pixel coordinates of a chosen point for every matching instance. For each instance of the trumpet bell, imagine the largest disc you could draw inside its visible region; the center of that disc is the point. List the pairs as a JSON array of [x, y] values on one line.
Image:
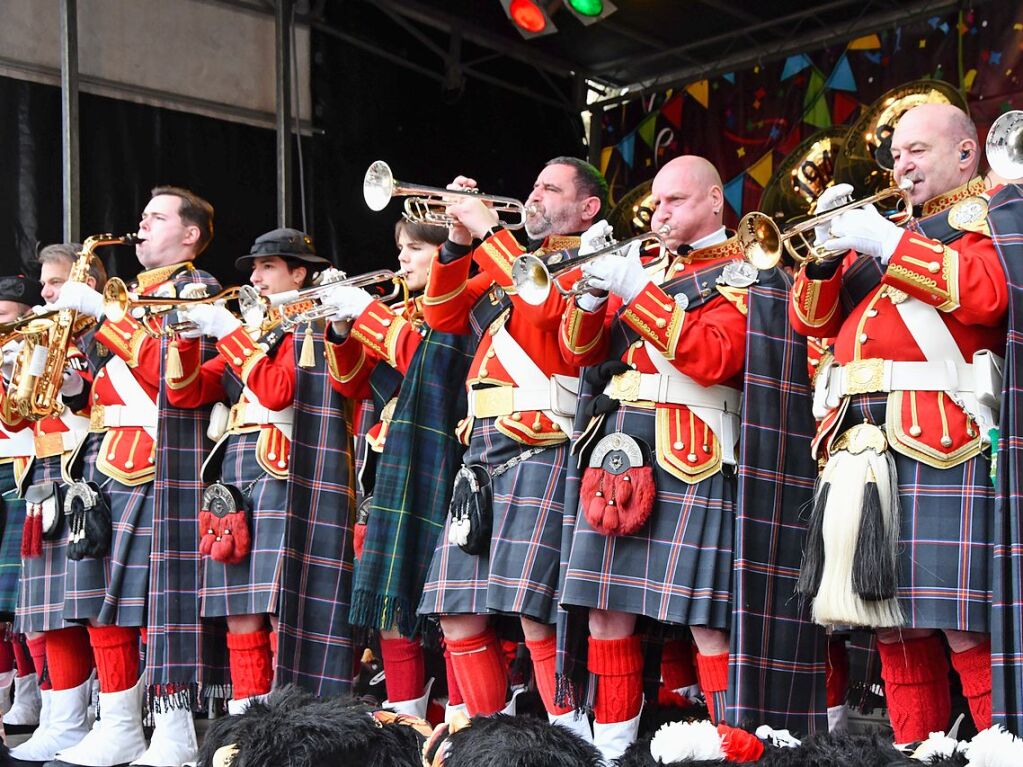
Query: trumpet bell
[[760, 239], [115, 299], [531, 279], [1004, 145], [378, 185]]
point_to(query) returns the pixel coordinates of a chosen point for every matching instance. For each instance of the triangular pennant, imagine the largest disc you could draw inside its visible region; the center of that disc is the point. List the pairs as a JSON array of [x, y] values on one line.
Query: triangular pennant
[[815, 105], [672, 110], [647, 129], [730, 76], [700, 91], [605, 159], [733, 194], [795, 65], [627, 148], [867, 43], [760, 171], [842, 107], [841, 77], [789, 140]]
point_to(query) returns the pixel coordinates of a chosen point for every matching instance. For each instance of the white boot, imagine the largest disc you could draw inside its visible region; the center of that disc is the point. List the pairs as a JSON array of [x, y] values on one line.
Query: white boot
[[509, 707], [117, 736], [612, 739], [174, 742], [574, 721], [838, 718], [65, 724], [235, 707], [450, 712], [27, 702], [6, 685], [415, 707]]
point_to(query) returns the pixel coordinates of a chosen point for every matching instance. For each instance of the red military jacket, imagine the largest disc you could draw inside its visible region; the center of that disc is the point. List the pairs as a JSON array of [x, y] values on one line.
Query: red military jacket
[[964, 281], [378, 334], [17, 445], [708, 344], [269, 376], [451, 294]]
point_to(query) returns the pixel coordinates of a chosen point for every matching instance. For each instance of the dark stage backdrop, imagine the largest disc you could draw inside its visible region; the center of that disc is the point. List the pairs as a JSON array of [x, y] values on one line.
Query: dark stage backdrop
[[364, 109]]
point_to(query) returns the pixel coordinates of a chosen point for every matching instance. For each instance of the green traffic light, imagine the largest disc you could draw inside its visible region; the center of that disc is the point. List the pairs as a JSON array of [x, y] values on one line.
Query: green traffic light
[[587, 7]]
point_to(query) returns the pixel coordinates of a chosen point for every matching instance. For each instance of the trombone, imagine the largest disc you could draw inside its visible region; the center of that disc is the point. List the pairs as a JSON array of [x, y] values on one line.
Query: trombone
[[533, 278], [118, 301], [762, 240], [428, 204], [306, 304]]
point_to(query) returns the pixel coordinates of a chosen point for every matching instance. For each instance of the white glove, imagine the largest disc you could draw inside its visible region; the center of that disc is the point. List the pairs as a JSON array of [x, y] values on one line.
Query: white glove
[[10, 355], [866, 231], [73, 383], [215, 321], [831, 198], [598, 236], [623, 275], [589, 302], [81, 298], [348, 302]]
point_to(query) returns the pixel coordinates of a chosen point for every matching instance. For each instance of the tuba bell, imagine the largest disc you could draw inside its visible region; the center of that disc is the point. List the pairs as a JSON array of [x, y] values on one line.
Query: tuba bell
[[1004, 145]]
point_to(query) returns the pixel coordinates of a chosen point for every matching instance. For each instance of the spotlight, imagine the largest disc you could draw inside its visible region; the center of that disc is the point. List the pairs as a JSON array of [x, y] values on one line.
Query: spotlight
[[589, 11], [529, 17]]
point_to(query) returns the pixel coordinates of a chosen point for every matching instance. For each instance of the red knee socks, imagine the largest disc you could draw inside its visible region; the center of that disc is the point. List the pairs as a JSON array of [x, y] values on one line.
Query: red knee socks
[[37, 649], [454, 693], [482, 672], [836, 676], [677, 669], [544, 654], [404, 668], [618, 665], [974, 669], [915, 674], [22, 657], [251, 667], [68, 657], [713, 673], [6, 655], [116, 649]]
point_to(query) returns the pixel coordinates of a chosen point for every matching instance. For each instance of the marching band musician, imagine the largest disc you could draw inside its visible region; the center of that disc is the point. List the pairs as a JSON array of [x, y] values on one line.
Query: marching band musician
[[260, 455], [906, 417], [521, 399], [109, 588], [18, 294], [663, 522], [415, 377]]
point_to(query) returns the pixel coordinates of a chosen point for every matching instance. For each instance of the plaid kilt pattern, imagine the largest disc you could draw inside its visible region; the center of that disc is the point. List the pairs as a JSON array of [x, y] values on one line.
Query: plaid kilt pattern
[[41, 588], [945, 540], [114, 590], [677, 568], [13, 510], [520, 574], [251, 586]]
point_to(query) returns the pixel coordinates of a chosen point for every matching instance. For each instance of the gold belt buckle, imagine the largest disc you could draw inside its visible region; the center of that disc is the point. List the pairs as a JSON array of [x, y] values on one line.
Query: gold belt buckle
[[233, 417], [97, 422], [49, 444], [494, 402], [625, 386], [864, 376], [861, 437]]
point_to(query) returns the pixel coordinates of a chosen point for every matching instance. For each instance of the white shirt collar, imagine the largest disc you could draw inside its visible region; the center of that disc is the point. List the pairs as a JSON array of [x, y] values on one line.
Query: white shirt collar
[[711, 239]]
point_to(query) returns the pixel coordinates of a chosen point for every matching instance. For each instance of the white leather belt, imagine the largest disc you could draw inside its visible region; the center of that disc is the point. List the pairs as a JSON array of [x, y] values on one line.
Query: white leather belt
[[251, 414], [558, 397], [119, 416], [633, 386], [20, 443], [880, 375]]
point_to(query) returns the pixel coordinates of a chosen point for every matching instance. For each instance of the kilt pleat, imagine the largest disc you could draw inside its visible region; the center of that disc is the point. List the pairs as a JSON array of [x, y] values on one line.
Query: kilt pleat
[[677, 568], [519, 575], [253, 585], [945, 540], [114, 590], [10, 541]]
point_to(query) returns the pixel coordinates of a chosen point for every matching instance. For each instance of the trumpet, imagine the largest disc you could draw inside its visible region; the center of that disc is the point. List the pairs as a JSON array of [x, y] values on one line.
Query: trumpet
[[762, 240], [306, 305], [428, 204], [118, 301], [533, 278]]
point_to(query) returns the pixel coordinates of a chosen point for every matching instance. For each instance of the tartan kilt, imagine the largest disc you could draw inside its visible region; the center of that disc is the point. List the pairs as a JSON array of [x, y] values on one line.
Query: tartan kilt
[[945, 541], [677, 568], [41, 587], [253, 585], [10, 541], [114, 590], [519, 576]]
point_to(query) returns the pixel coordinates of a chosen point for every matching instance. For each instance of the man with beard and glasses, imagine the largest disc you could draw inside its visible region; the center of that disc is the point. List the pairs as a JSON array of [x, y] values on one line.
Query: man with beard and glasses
[[521, 403]]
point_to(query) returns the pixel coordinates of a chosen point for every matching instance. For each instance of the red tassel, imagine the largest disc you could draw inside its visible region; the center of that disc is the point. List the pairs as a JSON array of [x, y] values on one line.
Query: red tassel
[[739, 745], [207, 533], [620, 505], [32, 533], [359, 542], [226, 539]]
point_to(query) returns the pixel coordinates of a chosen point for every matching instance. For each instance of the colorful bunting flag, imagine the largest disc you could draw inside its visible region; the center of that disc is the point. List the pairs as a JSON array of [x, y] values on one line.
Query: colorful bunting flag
[[627, 148], [760, 171], [841, 77], [795, 65], [866, 43], [815, 104], [700, 91], [647, 129], [605, 159], [672, 110], [730, 76], [733, 193], [842, 107]]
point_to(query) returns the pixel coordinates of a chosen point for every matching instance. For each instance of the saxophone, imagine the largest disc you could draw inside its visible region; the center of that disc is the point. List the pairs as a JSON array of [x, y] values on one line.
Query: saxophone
[[39, 369]]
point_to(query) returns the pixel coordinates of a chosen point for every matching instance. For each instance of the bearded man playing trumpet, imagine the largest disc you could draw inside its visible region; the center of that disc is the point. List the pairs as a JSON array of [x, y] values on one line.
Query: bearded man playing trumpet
[[903, 524], [505, 560]]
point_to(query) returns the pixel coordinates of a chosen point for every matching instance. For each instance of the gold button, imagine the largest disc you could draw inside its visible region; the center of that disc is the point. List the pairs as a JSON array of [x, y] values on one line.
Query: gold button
[[632, 365], [282, 464], [516, 416], [95, 398], [110, 456], [915, 431], [555, 426], [379, 336], [678, 445], [863, 338], [386, 323], [691, 458], [129, 464], [872, 313], [247, 352], [483, 371], [272, 456], [127, 335], [637, 345], [933, 267], [490, 353], [237, 361], [661, 322], [152, 458], [669, 307], [946, 442], [706, 448]]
